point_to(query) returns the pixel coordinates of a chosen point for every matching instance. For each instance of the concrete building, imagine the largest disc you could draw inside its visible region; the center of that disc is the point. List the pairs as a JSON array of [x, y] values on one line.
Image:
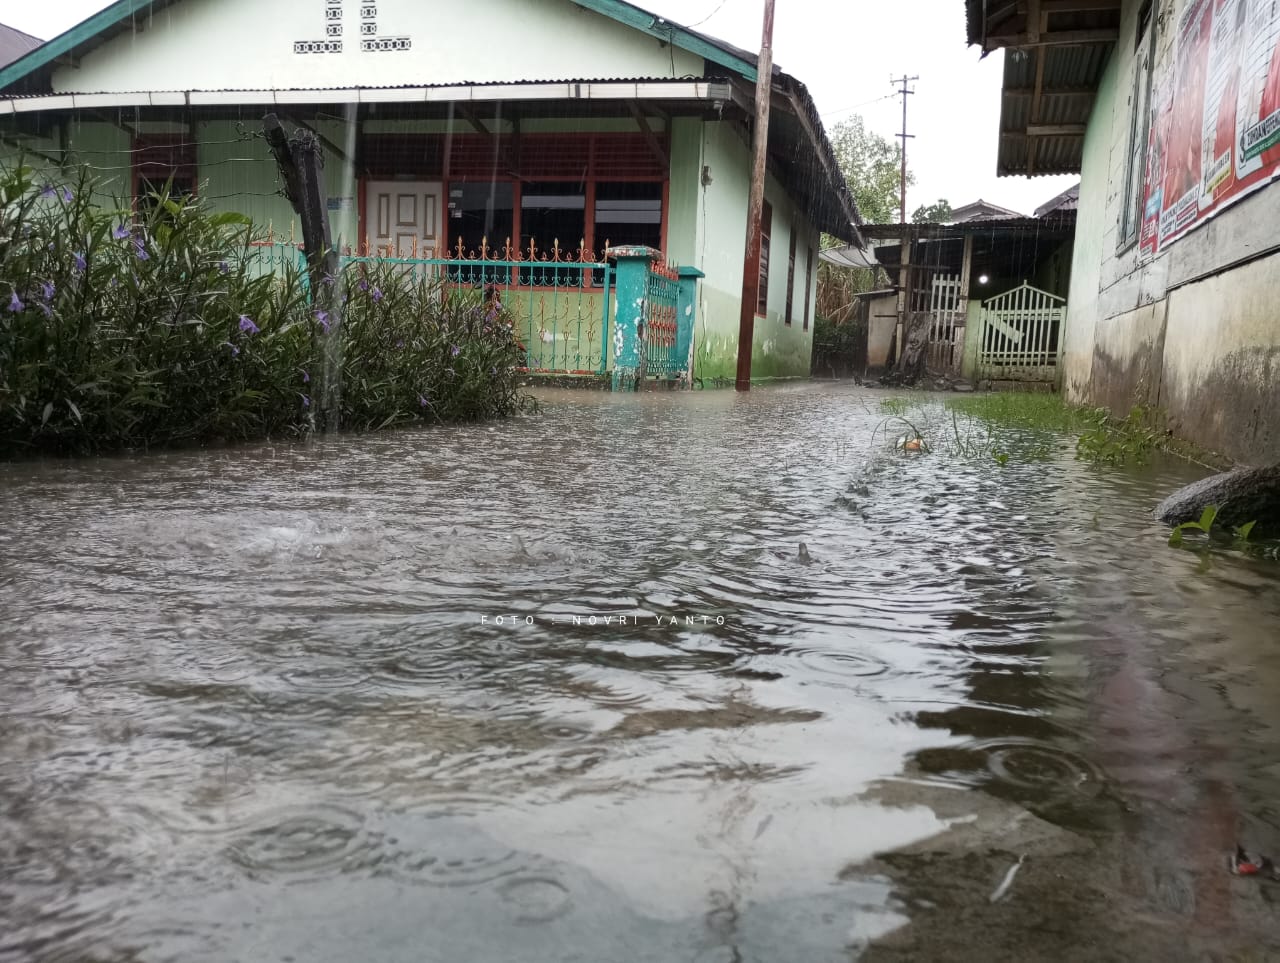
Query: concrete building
[[522, 128], [1170, 112]]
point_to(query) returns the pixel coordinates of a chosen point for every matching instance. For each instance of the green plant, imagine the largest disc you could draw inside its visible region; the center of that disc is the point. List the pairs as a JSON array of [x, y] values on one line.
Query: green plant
[[1243, 532], [174, 325], [1108, 441], [895, 406], [1203, 524]]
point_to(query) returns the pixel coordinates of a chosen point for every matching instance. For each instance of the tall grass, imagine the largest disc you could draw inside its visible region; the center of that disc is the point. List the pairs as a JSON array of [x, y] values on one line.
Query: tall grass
[[124, 329]]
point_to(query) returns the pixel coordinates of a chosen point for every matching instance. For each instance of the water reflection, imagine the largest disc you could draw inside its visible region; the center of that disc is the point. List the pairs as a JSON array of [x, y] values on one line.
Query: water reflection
[[256, 702]]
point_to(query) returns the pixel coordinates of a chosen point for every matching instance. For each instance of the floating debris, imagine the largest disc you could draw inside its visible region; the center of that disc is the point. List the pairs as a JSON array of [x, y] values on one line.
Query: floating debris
[[1246, 864]]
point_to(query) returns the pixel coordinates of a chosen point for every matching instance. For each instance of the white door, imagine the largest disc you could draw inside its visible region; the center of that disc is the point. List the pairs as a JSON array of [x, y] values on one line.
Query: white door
[[404, 217]]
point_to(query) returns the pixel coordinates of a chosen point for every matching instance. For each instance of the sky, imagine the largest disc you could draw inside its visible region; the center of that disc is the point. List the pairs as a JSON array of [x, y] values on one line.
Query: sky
[[845, 52]]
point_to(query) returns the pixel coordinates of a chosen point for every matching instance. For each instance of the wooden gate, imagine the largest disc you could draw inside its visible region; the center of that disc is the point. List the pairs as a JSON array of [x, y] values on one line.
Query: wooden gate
[[1021, 335], [947, 305]]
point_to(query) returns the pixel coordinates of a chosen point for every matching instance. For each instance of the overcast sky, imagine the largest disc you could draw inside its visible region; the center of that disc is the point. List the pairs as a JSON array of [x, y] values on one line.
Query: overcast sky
[[845, 52]]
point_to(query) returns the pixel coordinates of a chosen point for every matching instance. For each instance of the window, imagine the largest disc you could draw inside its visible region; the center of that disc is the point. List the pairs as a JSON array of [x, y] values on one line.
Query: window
[[791, 274], [481, 212], [550, 212], [766, 227], [808, 285], [628, 213], [163, 163], [1139, 132]]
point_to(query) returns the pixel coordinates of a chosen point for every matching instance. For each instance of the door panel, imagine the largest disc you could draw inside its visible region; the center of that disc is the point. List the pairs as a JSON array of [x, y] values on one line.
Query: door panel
[[404, 216]]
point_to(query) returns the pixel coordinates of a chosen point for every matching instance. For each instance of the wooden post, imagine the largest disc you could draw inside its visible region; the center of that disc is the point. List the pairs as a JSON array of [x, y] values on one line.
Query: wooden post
[[962, 302], [301, 163], [755, 206]]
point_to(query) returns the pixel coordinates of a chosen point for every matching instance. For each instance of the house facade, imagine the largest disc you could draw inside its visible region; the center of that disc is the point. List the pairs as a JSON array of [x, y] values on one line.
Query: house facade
[[1170, 112], [512, 130]]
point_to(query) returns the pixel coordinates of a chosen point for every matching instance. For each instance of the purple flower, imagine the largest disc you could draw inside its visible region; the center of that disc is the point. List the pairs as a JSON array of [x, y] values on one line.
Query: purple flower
[[454, 351], [306, 378], [306, 402], [67, 195], [81, 264], [222, 267], [323, 317], [493, 372], [47, 290], [120, 233], [377, 295], [247, 325], [234, 350], [15, 302], [48, 192], [364, 285], [422, 401], [400, 343], [140, 249]]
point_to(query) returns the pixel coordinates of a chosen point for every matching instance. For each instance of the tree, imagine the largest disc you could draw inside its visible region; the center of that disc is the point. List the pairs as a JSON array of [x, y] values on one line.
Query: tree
[[939, 212], [872, 166], [873, 169]]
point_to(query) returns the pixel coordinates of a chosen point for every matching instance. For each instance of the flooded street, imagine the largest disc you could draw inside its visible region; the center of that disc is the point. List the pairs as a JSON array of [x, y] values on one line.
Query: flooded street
[[346, 701]]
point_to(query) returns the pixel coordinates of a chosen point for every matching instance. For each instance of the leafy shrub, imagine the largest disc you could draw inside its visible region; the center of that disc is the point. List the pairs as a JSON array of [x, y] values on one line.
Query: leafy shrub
[[172, 325]]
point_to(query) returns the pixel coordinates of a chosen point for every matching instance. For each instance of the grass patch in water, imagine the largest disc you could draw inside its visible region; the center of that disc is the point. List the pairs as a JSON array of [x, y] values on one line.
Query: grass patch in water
[[896, 407]]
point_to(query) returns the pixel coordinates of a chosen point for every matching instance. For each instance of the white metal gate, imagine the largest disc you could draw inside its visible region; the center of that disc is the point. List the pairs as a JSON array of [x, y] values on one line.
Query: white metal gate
[[1021, 335]]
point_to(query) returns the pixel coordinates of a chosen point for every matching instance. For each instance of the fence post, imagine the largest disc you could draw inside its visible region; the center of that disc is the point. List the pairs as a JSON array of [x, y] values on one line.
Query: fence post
[[686, 315], [630, 314]]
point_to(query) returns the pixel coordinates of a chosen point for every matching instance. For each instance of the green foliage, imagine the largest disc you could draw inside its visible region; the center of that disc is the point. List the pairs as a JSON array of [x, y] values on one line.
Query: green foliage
[[1118, 442], [1017, 409], [838, 346], [1244, 531], [872, 166], [166, 326], [895, 406], [939, 212], [1203, 524]]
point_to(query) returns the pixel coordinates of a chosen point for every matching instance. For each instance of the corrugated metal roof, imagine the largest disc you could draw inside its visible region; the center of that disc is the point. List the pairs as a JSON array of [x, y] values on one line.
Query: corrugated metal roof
[[1051, 74], [1068, 200], [14, 44]]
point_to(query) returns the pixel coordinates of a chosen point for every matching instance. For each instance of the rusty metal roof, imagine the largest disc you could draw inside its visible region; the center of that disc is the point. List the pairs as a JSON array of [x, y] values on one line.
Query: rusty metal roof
[[1054, 58]]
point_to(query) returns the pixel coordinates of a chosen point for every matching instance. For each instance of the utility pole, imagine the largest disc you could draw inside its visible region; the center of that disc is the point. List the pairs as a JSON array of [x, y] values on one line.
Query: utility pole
[[904, 93], [755, 206]]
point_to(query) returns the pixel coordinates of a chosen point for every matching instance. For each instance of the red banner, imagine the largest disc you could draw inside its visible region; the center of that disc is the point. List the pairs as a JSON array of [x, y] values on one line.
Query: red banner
[[1215, 116]]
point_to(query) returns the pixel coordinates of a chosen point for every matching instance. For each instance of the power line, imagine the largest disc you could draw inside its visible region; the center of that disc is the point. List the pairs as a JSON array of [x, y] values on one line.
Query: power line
[[718, 8], [865, 103]]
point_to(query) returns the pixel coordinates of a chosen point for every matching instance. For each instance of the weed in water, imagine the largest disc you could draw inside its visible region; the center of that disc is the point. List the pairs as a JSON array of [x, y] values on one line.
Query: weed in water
[[1203, 524], [895, 406]]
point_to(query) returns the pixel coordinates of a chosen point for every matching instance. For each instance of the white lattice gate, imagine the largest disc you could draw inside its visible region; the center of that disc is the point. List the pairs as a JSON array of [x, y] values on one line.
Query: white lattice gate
[[947, 304], [1021, 335]]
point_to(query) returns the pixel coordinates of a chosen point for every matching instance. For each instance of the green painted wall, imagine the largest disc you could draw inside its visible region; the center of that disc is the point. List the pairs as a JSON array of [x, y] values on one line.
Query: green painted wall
[[778, 350], [1092, 227]]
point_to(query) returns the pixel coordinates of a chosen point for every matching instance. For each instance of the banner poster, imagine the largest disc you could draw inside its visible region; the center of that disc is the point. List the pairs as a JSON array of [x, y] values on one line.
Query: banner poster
[[1214, 133]]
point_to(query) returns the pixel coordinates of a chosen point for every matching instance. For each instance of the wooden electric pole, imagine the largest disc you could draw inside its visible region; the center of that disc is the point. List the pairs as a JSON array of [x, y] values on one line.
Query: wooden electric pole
[[904, 93], [755, 205], [301, 162]]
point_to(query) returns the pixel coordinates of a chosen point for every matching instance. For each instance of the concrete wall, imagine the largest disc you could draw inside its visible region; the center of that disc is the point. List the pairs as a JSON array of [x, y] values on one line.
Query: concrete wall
[[1192, 330], [249, 44], [882, 323], [779, 350]]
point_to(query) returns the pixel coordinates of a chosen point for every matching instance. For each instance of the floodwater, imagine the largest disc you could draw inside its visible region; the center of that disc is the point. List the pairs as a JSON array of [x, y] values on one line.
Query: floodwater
[[345, 701]]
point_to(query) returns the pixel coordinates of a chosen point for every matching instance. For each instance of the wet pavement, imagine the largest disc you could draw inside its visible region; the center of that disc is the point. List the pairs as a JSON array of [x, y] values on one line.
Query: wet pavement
[[568, 688]]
